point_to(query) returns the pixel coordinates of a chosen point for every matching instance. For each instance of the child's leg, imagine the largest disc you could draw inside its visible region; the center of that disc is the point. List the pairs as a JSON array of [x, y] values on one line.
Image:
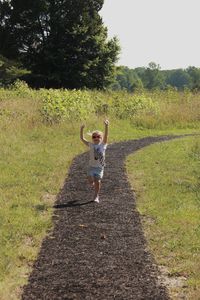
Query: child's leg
[[91, 180], [97, 186]]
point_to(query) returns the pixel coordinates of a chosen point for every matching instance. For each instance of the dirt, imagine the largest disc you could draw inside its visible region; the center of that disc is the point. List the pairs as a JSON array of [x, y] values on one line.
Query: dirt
[[97, 251], [176, 284]]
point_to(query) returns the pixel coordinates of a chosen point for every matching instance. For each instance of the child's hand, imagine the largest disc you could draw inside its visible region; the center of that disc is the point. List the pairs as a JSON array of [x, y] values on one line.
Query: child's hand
[[106, 122]]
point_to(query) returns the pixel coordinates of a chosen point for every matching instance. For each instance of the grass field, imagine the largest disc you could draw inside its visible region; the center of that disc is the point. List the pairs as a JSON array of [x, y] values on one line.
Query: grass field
[[35, 156], [165, 178]]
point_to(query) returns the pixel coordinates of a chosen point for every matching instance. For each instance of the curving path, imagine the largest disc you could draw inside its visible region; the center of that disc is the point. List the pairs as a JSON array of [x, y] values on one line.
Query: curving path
[[97, 251]]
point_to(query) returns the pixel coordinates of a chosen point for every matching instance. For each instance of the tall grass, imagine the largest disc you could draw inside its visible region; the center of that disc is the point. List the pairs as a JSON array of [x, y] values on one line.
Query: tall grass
[[144, 109]]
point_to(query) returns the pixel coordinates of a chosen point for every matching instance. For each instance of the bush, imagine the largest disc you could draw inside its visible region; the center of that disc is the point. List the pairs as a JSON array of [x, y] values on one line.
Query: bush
[[79, 105], [63, 104]]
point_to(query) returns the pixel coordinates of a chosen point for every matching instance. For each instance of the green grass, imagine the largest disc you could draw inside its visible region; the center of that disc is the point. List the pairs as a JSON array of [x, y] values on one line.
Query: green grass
[[166, 180], [34, 161]]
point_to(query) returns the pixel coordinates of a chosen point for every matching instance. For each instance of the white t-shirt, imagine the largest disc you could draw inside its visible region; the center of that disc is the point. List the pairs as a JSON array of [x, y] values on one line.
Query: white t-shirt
[[97, 155]]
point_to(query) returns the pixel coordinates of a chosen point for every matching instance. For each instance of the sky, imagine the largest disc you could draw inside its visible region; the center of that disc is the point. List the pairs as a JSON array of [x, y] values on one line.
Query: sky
[[166, 32]]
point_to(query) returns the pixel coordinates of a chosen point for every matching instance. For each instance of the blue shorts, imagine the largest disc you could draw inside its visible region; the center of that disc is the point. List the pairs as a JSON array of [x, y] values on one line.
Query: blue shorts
[[95, 172]]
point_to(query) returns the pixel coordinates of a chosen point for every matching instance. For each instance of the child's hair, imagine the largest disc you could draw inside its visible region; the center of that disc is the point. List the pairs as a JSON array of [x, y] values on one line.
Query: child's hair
[[95, 132]]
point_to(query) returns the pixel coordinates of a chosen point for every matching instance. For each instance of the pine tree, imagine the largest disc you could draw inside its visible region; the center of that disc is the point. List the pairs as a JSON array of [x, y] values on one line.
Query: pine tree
[[63, 42]]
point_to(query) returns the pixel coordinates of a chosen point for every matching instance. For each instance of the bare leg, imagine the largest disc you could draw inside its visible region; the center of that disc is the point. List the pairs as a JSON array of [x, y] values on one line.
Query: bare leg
[[91, 180], [97, 186]]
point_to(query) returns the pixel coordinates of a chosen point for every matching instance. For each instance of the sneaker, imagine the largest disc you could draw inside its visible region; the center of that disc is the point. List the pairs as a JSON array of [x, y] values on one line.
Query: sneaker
[[96, 199]]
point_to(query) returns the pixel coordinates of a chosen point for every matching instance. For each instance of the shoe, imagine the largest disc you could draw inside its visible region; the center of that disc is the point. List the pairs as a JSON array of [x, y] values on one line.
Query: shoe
[[96, 199]]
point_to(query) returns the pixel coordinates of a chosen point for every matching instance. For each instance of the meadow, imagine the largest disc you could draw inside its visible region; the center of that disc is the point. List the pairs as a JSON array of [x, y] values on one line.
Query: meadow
[[39, 138], [165, 178]]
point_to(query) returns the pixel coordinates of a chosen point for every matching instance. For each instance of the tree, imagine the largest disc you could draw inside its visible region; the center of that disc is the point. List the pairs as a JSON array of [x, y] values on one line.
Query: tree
[[152, 77], [179, 78], [194, 74], [126, 79], [10, 71], [63, 42]]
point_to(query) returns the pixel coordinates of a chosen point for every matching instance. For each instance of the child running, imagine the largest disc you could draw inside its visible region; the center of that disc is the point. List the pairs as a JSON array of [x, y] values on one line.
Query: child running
[[97, 157]]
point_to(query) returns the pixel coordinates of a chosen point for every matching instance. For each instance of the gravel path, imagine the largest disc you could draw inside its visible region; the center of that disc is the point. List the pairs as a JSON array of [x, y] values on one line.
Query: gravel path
[[97, 251]]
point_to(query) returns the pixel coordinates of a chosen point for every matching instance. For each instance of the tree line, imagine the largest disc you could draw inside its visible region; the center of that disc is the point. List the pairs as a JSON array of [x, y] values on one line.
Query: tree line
[[152, 77]]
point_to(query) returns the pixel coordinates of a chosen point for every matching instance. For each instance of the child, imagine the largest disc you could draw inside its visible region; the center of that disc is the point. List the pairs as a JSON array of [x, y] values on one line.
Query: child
[[97, 157]]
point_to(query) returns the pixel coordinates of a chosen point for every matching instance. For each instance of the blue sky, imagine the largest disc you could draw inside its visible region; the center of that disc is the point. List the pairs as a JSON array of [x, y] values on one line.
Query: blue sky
[[163, 31]]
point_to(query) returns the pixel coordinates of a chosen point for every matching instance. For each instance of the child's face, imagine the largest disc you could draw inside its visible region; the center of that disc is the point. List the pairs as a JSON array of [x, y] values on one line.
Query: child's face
[[96, 138]]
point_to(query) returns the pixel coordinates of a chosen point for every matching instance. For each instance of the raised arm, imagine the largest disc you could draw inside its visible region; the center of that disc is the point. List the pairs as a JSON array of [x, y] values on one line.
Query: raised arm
[[105, 138], [82, 137]]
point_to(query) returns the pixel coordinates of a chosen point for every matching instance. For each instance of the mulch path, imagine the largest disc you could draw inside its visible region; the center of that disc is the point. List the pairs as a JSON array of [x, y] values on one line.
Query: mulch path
[[97, 251]]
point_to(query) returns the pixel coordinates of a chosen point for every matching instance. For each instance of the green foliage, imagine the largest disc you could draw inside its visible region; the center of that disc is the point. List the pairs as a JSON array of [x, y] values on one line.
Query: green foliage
[[128, 107], [194, 74], [126, 79], [64, 43], [155, 109], [10, 71], [152, 78], [80, 105], [179, 78], [21, 88], [66, 105], [18, 89]]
